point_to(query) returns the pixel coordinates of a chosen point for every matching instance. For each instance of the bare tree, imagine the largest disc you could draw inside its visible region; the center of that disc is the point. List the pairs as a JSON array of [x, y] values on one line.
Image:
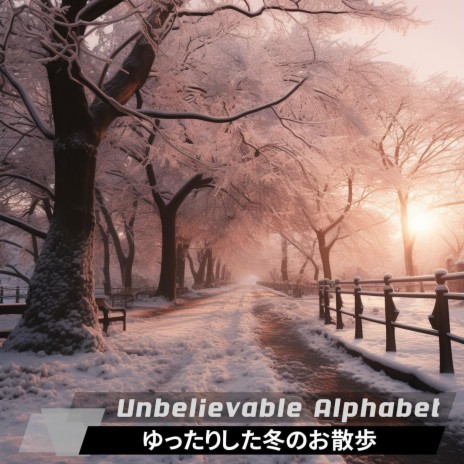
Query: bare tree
[[420, 137]]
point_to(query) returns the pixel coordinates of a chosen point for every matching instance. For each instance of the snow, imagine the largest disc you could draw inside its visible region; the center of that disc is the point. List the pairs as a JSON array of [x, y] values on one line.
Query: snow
[[209, 345], [416, 353]]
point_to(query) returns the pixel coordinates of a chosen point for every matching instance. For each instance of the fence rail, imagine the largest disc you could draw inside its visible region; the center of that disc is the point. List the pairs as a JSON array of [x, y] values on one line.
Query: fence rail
[[439, 319], [15, 294], [294, 289]]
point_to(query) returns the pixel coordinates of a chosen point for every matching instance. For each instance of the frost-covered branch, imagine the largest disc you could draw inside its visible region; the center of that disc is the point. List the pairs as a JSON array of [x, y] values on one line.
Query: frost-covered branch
[[23, 225], [391, 11], [16, 274], [195, 183], [220, 119], [29, 104], [34, 182], [17, 245], [348, 205]]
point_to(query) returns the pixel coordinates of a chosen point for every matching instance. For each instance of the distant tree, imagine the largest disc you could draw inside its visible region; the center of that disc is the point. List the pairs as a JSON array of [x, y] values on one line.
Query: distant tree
[[419, 140]]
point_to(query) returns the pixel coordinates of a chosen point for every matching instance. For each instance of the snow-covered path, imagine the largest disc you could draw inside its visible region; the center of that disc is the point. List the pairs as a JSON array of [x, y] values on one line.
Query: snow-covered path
[[315, 367], [209, 345], [221, 343]]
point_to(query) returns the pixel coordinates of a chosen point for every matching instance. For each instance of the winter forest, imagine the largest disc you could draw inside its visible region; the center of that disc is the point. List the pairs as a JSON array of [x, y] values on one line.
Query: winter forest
[[171, 143]]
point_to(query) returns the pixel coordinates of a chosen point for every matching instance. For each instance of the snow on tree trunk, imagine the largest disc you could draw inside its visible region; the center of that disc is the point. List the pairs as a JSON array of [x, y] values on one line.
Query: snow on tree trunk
[[61, 314]]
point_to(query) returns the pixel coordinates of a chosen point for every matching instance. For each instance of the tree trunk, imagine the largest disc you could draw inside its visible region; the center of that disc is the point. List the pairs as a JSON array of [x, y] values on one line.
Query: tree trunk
[[167, 281], [61, 315], [202, 267], [324, 251], [182, 247], [316, 272], [168, 212], [126, 272], [284, 260], [302, 269], [223, 272], [198, 276], [408, 238], [209, 268], [217, 275], [106, 260]]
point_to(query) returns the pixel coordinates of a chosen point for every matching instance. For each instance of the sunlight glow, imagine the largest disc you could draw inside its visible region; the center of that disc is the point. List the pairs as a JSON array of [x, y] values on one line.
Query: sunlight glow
[[421, 222]]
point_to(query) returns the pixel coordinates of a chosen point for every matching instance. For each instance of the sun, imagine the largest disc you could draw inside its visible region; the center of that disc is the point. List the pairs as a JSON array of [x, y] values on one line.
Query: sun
[[421, 222]]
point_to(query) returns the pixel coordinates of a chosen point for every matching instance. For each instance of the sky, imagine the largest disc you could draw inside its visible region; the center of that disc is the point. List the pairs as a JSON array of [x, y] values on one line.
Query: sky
[[435, 47]]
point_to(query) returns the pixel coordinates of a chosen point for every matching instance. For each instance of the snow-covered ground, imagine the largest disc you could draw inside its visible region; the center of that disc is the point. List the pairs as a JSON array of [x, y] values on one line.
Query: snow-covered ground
[[210, 346], [416, 353]]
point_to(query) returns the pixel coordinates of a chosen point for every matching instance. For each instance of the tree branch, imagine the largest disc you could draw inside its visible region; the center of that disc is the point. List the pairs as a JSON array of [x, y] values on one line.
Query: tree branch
[[30, 181], [15, 274], [132, 76], [96, 8], [218, 119], [384, 10], [195, 183], [345, 210], [22, 225], [17, 245], [46, 131]]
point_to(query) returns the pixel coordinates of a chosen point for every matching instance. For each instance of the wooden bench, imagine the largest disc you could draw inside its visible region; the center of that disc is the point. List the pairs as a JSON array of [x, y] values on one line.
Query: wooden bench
[[13, 308], [107, 310], [108, 314], [148, 292], [121, 298]]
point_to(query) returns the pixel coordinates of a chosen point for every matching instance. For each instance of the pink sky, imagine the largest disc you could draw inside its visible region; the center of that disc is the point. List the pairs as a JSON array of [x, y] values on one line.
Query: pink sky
[[432, 48]]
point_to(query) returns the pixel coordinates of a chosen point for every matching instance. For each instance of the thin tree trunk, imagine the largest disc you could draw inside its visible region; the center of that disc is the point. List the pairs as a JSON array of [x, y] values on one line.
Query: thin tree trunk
[[209, 268], [217, 275], [182, 247], [106, 259], [324, 251], [408, 238], [167, 282], [284, 259]]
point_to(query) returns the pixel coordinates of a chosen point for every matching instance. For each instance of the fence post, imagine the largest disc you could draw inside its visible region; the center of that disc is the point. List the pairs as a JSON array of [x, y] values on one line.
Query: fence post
[[327, 318], [338, 303], [321, 299], [446, 354], [358, 309], [391, 313], [17, 294]]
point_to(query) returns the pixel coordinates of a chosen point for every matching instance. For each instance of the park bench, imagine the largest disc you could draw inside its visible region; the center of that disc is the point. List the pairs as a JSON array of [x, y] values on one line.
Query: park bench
[[147, 292], [121, 298], [110, 314], [13, 308]]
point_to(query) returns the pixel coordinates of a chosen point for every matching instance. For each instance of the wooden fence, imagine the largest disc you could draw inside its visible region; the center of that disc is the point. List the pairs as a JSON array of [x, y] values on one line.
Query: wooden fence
[[439, 319], [10, 294], [296, 290]]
